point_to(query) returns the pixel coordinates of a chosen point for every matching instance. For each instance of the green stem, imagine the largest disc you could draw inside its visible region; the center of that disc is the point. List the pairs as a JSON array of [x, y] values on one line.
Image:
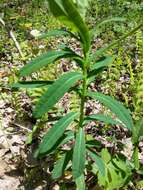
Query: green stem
[[83, 94]]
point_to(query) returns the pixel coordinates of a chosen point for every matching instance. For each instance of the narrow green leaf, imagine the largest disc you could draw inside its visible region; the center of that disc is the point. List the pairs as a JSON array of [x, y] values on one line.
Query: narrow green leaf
[[122, 165], [103, 62], [136, 157], [100, 65], [80, 182], [96, 31], [55, 92], [105, 155], [57, 9], [31, 135], [69, 135], [101, 117], [78, 163], [60, 165], [77, 58], [137, 132], [51, 151], [103, 50], [66, 10], [98, 161], [113, 19], [31, 84], [75, 17], [43, 61], [55, 133], [82, 6], [57, 33], [93, 143], [54, 33], [115, 106]]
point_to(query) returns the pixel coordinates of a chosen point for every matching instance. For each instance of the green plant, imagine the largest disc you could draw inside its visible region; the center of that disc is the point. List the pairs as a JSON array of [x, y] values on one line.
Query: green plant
[[81, 151], [138, 91], [137, 132], [82, 5], [117, 173]]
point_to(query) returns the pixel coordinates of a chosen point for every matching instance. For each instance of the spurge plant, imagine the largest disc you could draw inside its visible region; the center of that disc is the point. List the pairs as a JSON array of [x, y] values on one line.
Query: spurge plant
[[81, 152]]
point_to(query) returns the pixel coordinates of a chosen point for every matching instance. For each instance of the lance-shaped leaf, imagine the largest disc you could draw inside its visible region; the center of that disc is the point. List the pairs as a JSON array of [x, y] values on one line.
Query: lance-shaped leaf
[[57, 9], [137, 132], [115, 106], [31, 84], [98, 161], [104, 62], [54, 33], [96, 31], [55, 133], [57, 33], [93, 143], [61, 164], [44, 60], [78, 22], [78, 163], [55, 92], [69, 135], [67, 11], [100, 65], [136, 157], [101, 117], [80, 182]]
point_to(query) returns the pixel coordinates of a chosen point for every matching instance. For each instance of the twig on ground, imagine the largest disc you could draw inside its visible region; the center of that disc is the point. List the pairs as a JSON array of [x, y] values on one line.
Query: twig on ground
[[12, 36]]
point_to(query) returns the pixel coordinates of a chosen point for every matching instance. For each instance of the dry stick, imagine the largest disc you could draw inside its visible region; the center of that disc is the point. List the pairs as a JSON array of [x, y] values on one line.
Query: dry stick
[[22, 127], [11, 34]]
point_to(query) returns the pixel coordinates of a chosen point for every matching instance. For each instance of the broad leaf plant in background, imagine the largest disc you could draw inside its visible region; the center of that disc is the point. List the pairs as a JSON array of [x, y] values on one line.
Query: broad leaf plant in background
[[82, 152]]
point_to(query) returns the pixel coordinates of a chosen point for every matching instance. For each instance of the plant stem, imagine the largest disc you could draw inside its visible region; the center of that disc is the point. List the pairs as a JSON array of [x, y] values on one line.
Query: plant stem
[[83, 94]]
